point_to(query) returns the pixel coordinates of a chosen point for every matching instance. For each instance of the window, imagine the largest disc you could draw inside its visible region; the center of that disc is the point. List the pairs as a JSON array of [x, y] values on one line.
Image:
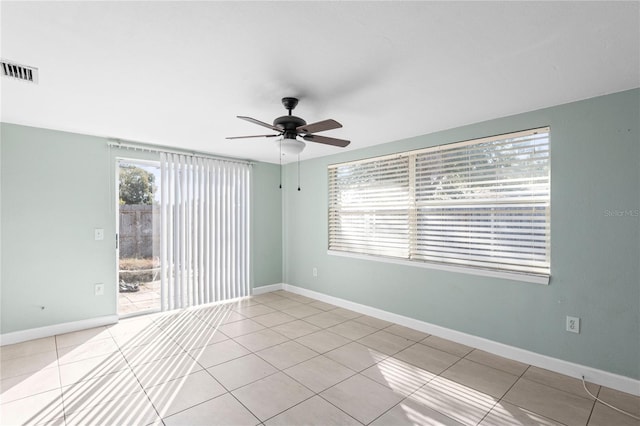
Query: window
[[481, 204]]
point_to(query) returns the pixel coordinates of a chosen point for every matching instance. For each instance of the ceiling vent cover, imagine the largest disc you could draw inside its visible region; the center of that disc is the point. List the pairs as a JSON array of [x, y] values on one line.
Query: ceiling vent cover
[[19, 72]]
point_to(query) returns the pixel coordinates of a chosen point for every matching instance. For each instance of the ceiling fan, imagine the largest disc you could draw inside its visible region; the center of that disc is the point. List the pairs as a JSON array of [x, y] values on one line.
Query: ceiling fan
[[290, 127]]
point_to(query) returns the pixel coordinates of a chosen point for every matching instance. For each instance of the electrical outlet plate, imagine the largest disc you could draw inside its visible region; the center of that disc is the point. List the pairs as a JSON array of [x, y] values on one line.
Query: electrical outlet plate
[[99, 289], [573, 324], [98, 234], [315, 272]]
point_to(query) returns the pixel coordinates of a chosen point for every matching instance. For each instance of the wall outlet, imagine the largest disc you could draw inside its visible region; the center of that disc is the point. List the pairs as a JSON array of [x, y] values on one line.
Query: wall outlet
[[99, 289], [573, 324], [98, 234], [315, 272]]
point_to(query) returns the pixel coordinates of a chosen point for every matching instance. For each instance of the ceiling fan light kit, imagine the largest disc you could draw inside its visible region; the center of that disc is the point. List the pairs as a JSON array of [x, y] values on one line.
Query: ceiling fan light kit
[[290, 146]]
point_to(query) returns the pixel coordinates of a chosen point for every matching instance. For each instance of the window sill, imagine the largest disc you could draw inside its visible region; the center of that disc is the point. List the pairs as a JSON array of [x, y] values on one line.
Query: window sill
[[536, 279]]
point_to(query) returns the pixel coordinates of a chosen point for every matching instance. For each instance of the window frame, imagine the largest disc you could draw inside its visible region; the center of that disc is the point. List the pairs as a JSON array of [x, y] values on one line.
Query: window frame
[[540, 278]]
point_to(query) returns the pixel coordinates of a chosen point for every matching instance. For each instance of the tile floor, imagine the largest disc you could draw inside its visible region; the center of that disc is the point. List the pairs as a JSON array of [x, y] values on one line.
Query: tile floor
[[282, 359]]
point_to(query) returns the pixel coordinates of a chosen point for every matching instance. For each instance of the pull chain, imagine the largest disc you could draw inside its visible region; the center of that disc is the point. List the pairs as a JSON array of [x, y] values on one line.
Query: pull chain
[[298, 172], [280, 163]]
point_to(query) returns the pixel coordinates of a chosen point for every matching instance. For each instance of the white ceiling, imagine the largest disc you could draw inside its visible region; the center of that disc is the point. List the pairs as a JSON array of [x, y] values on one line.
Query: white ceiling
[[177, 73]]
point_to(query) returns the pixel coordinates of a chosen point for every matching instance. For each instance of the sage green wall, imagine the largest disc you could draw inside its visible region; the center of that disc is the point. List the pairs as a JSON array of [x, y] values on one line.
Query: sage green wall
[[595, 168], [56, 187]]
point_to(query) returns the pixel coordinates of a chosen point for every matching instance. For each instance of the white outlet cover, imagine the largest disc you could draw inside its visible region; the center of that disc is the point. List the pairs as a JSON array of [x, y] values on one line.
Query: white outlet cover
[[573, 324], [98, 234], [99, 289]]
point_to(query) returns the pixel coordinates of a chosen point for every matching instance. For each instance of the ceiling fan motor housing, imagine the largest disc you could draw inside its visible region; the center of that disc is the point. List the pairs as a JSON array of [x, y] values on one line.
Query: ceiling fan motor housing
[[289, 123]]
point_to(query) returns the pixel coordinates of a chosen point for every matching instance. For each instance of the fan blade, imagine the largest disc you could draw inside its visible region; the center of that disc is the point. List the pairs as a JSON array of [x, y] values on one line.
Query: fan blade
[[254, 136], [320, 126], [260, 123], [329, 141]]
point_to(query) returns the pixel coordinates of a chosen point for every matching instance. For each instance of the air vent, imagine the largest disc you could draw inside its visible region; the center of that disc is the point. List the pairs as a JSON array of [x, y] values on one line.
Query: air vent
[[19, 72]]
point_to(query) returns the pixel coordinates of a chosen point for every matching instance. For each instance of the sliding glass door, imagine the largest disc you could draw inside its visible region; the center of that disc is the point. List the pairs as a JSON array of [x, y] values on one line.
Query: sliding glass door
[[138, 237]]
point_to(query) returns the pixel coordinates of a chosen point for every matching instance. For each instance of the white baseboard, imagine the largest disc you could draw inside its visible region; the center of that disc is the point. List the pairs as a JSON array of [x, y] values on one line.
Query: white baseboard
[[267, 288], [593, 375], [52, 330]]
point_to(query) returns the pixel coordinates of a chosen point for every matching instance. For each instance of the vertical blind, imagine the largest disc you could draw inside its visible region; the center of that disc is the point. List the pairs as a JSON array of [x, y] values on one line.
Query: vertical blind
[[483, 203], [205, 230]]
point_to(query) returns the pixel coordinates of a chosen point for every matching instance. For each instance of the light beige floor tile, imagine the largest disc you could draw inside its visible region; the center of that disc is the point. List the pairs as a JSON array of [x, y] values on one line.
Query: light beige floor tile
[[259, 397], [253, 310], [82, 336], [242, 371], [30, 347], [319, 373], [361, 398], [355, 356], [427, 358], [128, 339], [624, 401], [325, 319], [283, 304], [29, 384], [510, 366], [131, 409], [223, 410], [302, 311], [480, 377], [406, 332], [409, 413], [555, 404], [286, 354], [239, 328], [185, 392], [399, 376], [373, 322], [187, 323], [267, 297], [560, 381], [322, 305], [386, 343], [218, 353], [447, 346], [461, 403], [165, 369], [28, 364], [247, 301], [158, 349], [200, 338], [92, 392], [273, 319], [91, 367], [606, 416], [217, 315], [323, 341], [232, 316], [139, 324], [261, 339], [295, 329], [36, 409], [298, 297], [314, 411], [346, 313], [351, 329], [505, 414], [87, 350]]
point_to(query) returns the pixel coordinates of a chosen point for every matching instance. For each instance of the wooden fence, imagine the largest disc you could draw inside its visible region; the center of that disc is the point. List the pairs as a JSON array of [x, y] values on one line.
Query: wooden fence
[[139, 231]]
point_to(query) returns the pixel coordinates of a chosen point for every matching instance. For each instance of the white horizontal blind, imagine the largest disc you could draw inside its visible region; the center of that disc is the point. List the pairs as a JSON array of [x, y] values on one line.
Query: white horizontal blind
[[482, 203], [205, 230], [369, 207]]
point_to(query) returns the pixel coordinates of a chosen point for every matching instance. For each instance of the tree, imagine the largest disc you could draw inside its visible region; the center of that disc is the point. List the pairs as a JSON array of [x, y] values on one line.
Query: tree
[[136, 185]]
